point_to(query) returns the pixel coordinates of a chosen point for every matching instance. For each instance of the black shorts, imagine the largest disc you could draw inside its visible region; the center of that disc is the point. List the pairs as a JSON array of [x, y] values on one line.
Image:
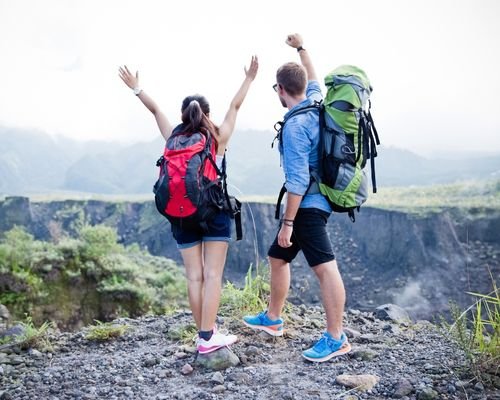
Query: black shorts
[[310, 236]]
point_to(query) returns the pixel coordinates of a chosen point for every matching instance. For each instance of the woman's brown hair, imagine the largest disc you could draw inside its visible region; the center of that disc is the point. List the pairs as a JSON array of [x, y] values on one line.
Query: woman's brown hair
[[195, 110]]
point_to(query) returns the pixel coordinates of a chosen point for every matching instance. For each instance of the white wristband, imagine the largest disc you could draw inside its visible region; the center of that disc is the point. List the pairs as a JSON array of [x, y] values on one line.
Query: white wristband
[[137, 91]]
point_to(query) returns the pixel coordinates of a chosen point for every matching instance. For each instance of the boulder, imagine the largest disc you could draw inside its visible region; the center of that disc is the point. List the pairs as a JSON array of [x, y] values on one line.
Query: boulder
[[361, 383], [217, 360], [392, 312], [4, 313]]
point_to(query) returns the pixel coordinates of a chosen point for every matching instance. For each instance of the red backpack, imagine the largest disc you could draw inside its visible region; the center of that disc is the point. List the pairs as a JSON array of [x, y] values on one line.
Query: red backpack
[[191, 190]]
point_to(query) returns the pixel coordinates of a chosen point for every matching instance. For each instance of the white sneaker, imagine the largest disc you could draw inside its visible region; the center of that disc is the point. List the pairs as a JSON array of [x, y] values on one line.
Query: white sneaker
[[214, 330], [217, 341]]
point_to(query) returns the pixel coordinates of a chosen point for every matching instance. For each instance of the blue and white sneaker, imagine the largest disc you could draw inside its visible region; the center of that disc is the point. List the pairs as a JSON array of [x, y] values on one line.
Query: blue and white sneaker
[[327, 347], [262, 322]]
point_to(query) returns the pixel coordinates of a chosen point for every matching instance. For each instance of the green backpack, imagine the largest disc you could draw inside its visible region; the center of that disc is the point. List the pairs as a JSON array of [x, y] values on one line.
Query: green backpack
[[348, 139]]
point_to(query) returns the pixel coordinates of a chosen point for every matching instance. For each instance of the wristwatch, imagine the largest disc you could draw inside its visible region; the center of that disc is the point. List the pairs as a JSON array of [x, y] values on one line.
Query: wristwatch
[[137, 91]]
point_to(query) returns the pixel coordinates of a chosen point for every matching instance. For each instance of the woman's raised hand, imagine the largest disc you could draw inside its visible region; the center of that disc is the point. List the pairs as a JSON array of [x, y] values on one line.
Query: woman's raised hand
[[251, 72], [130, 80]]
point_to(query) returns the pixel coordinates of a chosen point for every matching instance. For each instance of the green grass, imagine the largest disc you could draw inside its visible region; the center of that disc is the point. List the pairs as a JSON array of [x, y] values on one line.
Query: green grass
[[104, 331], [251, 298], [183, 333], [32, 337], [477, 332]]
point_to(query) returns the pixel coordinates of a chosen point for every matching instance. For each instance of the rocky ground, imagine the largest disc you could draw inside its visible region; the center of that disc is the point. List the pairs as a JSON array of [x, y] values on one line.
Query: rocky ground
[[391, 360]]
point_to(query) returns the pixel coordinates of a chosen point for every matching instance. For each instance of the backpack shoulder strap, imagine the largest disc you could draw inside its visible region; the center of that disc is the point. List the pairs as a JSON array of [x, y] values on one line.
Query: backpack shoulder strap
[[316, 173], [177, 130], [278, 126], [318, 106], [233, 205]]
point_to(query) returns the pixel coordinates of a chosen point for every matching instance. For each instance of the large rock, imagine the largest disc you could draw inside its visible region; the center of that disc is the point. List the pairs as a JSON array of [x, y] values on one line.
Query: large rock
[[361, 383], [217, 360], [15, 210], [427, 394], [4, 313], [392, 312], [16, 330], [403, 388]]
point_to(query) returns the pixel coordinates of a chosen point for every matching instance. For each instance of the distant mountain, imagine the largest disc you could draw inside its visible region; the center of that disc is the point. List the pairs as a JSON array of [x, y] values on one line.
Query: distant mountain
[[396, 167], [35, 162]]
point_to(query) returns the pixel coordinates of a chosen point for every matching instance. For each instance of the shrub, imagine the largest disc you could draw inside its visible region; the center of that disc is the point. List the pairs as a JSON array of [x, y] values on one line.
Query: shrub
[[18, 254], [129, 280], [98, 241]]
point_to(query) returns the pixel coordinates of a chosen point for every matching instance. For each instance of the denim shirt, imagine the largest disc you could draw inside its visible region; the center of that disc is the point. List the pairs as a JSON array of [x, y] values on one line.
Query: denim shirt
[[299, 150]]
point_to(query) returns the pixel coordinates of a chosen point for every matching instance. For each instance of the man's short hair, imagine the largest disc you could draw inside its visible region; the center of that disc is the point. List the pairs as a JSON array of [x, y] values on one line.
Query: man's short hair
[[293, 78]]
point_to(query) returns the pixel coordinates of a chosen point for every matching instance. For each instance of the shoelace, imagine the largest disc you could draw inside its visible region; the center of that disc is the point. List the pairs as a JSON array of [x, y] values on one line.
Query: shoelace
[[263, 317], [325, 342], [321, 345]]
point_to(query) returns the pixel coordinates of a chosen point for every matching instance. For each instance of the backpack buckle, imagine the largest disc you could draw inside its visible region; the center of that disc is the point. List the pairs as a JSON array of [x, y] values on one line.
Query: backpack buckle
[[278, 126], [159, 162]]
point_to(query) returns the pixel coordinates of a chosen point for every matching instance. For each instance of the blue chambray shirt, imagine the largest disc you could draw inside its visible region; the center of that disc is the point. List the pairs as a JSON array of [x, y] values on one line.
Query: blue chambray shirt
[[299, 150]]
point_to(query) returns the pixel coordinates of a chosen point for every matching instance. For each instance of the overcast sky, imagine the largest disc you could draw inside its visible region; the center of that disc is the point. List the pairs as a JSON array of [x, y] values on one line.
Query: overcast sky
[[434, 65]]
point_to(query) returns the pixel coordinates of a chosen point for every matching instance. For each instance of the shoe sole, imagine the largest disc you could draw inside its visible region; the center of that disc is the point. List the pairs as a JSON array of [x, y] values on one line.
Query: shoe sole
[[269, 331], [215, 348], [343, 350], [211, 349]]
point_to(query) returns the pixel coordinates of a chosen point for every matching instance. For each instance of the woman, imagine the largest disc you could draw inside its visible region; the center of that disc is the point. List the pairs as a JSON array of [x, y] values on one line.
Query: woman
[[203, 253]]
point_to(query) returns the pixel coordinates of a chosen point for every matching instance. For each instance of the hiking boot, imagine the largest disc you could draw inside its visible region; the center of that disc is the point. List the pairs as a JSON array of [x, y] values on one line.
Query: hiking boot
[[327, 347], [217, 341], [261, 321]]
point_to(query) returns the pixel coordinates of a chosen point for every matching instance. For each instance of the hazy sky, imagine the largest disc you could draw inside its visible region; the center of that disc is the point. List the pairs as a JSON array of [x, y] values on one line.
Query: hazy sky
[[434, 65]]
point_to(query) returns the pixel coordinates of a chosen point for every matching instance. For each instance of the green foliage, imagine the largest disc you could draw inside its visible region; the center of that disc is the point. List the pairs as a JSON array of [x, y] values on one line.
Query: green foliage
[[153, 282], [252, 298], [477, 331], [103, 331], [98, 241], [171, 308], [36, 336], [18, 247], [79, 274], [19, 253]]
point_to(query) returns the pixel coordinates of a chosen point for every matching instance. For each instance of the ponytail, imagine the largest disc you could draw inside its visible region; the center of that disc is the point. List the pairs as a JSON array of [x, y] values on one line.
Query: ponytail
[[194, 116]]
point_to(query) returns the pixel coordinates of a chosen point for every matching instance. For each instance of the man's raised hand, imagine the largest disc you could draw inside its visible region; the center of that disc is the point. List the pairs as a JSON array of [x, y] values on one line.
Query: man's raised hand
[[294, 40]]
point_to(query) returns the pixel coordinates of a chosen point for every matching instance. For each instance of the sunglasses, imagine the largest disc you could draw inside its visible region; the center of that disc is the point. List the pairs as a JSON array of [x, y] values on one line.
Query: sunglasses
[[275, 87]]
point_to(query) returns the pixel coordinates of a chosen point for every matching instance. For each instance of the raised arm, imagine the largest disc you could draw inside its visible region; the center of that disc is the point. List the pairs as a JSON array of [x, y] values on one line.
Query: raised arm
[[227, 126], [295, 40], [132, 81]]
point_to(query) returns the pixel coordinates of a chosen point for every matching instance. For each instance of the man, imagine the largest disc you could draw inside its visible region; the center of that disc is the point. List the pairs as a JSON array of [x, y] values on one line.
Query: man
[[303, 226]]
